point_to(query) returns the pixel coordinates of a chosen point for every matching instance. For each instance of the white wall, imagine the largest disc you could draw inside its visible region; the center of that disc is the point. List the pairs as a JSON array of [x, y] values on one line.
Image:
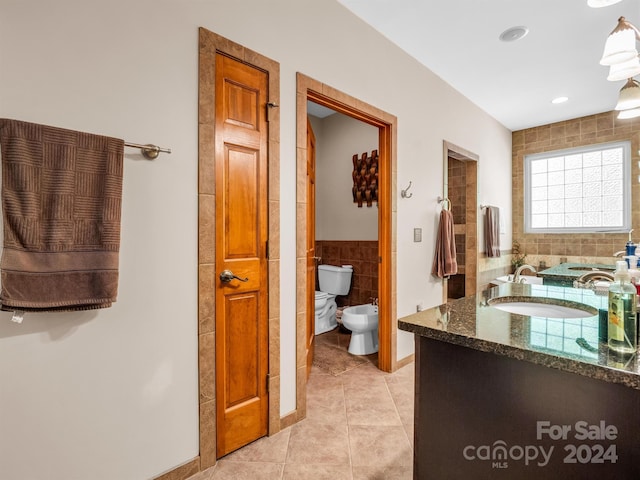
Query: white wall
[[113, 394], [337, 217]]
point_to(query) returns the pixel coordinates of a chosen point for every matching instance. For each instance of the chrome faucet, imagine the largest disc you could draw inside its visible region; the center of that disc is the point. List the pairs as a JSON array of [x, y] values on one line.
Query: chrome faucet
[[519, 270], [374, 300], [621, 253], [587, 280]]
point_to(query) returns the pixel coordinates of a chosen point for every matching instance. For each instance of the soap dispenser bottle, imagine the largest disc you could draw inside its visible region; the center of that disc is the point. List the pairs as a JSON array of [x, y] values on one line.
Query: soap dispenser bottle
[[630, 247], [623, 323]]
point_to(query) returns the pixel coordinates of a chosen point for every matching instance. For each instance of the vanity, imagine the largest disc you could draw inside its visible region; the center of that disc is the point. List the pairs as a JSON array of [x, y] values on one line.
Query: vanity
[[534, 394], [565, 273]]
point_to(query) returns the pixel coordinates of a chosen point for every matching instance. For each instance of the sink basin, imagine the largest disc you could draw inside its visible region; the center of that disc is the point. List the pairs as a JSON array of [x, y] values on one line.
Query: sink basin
[[543, 307], [592, 269], [530, 279]]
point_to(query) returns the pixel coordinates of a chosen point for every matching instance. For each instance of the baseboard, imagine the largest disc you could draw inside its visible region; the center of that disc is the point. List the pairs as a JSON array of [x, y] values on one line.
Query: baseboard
[[405, 361], [182, 472], [288, 420]]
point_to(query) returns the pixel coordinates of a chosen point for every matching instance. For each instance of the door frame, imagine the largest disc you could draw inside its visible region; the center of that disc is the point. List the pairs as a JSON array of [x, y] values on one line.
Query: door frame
[[211, 44], [310, 89]]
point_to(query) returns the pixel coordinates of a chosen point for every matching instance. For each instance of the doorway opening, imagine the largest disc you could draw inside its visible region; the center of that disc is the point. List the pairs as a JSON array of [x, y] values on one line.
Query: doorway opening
[[342, 221], [461, 188], [324, 95]]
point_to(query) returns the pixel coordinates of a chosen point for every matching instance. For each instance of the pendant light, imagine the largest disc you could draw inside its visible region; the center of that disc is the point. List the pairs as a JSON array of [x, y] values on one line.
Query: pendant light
[[631, 113], [621, 44], [624, 70], [629, 96]]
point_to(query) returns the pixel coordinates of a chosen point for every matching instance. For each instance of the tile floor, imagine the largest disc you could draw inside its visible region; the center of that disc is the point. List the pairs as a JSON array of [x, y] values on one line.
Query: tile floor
[[359, 426]]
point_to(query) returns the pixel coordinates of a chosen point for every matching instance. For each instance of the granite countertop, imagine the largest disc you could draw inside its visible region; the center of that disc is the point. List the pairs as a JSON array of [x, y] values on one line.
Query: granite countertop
[[569, 344], [571, 271]]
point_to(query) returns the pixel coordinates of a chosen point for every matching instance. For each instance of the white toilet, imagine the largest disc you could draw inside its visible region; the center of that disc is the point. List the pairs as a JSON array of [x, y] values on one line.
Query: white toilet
[[332, 281]]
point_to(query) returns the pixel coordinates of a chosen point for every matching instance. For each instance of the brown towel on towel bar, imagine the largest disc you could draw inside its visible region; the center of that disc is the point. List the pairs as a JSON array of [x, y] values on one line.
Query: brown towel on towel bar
[[61, 199], [444, 260], [492, 231]]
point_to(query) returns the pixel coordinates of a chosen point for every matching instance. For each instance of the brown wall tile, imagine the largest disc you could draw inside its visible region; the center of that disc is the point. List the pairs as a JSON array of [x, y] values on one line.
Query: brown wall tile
[[583, 131], [363, 256]]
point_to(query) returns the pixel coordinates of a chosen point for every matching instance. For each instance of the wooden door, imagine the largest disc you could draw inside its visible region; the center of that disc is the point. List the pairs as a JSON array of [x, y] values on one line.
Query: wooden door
[[311, 243], [241, 250]]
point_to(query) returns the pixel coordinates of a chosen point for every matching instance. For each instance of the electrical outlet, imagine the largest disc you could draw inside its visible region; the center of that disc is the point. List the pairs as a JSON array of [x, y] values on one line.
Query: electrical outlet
[[417, 234]]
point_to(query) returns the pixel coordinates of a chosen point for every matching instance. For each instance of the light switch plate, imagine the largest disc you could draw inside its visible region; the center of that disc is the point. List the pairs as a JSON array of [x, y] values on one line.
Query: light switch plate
[[417, 234]]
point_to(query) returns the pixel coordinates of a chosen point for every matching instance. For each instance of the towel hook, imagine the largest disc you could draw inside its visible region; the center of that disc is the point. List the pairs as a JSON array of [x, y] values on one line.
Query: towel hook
[[403, 193]]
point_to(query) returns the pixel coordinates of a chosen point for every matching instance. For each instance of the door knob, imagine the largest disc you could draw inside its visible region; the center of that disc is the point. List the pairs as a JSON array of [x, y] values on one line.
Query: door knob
[[227, 275]]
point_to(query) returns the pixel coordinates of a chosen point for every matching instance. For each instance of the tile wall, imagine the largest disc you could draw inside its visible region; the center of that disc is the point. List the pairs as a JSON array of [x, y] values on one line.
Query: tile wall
[[457, 193], [579, 248], [363, 255], [462, 185]]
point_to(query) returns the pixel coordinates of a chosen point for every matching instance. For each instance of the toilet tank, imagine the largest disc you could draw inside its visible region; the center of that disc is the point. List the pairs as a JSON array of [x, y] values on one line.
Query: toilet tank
[[335, 280]]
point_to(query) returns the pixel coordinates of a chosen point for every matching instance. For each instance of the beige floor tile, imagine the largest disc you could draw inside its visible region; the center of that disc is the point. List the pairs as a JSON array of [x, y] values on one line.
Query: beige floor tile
[[322, 384], [294, 471], [370, 404], [328, 408], [403, 398], [359, 426], [205, 475], [226, 470], [317, 371], [406, 371], [266, 449], [318, 443], [362, 379], [383, 446], [408, 427], [382, 473]]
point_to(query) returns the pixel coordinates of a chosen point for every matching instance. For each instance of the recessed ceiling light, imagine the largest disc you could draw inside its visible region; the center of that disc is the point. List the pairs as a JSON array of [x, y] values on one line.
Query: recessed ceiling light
[[601, 3], [559, 100], [514, 33]]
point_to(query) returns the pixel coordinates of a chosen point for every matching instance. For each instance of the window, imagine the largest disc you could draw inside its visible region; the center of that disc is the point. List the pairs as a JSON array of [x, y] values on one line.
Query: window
[[579, 190]]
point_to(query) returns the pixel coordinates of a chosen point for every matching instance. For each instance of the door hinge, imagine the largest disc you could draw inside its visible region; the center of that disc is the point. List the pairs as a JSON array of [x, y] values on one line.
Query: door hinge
[[379, 259], [266, 247], [268, 376]]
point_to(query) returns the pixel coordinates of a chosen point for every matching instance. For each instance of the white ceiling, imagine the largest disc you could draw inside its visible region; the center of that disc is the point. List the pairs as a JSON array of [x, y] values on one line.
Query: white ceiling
[[513, 82]]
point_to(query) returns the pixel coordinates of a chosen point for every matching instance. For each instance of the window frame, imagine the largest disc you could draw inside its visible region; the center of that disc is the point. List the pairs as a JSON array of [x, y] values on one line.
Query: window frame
[[626, 188]]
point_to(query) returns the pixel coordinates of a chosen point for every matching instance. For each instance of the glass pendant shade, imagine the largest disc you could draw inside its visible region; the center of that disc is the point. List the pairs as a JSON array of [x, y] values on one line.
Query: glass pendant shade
[[629, 96], [631, 113], [622, 71], [601, 3], [621, 44]]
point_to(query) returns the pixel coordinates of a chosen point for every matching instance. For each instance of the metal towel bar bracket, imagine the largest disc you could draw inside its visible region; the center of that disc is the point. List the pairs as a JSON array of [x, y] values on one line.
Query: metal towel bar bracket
[[149, 151], [441, 200]]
